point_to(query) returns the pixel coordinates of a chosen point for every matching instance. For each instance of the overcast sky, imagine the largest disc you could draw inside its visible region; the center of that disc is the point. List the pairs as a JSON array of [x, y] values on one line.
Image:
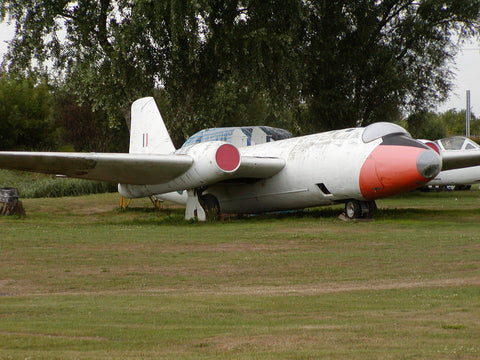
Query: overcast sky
[[467, 78], [467, 73]]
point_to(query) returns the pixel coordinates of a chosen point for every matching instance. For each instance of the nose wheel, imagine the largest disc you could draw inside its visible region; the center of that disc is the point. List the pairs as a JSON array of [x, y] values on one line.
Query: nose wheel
[[356, 209]]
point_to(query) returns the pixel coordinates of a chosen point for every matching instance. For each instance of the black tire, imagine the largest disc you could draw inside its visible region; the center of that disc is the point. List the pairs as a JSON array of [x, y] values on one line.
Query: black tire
[[371, 208], [353, 209]]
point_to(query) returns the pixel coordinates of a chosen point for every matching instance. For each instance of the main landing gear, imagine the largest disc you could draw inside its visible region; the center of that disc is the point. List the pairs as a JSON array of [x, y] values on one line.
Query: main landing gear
[[356, 209], [201, 207]]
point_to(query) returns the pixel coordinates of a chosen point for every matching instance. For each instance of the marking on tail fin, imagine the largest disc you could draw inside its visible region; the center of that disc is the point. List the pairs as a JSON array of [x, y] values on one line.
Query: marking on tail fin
[[148, 134]]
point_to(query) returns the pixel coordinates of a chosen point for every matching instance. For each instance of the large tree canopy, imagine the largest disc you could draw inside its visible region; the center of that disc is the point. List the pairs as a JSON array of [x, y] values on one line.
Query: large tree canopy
[[303, 64], [25, 115]]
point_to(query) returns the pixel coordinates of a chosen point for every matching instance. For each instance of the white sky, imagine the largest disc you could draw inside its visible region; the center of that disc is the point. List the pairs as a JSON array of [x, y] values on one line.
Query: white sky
[[467, 73], [467, 78], [6, 33]]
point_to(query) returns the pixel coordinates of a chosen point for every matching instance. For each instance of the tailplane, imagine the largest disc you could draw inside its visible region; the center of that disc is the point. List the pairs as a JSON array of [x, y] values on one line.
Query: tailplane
[[148, 134]]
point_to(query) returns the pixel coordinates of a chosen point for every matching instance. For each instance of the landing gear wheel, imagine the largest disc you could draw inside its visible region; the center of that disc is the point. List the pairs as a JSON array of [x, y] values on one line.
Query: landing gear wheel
[[211, 206], [353, 209], [369, 209]]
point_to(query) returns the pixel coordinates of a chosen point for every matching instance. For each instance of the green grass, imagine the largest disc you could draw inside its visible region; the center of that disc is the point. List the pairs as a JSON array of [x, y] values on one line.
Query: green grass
[[81, 280]]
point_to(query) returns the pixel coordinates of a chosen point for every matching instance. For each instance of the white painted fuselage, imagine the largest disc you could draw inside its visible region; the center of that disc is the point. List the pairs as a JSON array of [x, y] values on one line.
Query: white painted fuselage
[[333, 159], [321, 169], [360, 164], [465, 176], [330, 161]]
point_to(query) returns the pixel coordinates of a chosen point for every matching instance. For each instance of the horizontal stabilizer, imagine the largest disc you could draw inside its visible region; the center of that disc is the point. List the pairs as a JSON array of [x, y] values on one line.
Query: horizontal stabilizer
[[138, 169]]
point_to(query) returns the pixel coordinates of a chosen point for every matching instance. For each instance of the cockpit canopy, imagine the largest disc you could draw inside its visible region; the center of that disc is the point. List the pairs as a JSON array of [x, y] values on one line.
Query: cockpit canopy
[[457, 143], [239, 136], [381, 129]]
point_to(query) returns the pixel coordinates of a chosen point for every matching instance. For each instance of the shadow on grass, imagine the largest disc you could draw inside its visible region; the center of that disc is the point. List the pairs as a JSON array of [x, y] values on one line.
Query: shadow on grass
[[150, 216], [422, 214], [175, 216], [314, 213]]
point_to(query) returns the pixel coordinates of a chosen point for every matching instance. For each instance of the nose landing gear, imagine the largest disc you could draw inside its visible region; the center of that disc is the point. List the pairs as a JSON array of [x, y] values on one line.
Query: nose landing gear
[[356, 209]]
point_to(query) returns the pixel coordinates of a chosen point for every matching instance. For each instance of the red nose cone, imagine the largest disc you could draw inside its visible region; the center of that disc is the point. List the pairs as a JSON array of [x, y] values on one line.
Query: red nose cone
[[227, 157], [391, 170]]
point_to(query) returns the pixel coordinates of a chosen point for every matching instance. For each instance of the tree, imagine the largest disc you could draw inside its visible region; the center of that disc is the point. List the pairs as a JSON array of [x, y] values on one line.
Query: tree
[[25, 115], [433, 126], [319, 64], [426, 125], [87, 130], [454, 123], [386, 56]]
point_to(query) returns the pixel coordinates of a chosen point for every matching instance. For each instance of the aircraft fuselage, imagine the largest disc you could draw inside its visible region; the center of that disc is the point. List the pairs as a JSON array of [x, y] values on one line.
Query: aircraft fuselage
[[322, 169]]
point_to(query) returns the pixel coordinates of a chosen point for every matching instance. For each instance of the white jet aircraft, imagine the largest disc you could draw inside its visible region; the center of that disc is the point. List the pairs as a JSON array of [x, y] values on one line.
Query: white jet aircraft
[[460, 178], [353, 166]]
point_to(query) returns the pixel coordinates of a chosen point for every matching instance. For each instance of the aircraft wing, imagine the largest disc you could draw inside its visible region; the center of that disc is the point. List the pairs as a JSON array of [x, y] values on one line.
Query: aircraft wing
[[135, 169], [117, 168], [457, 159], [252, 167]]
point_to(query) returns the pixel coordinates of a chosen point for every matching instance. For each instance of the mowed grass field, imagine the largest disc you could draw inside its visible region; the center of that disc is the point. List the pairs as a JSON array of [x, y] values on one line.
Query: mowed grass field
[[81, 280]]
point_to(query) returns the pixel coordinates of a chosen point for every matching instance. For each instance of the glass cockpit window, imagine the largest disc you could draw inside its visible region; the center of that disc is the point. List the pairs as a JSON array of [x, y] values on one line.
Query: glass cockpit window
[[453, 143], [381, 129]]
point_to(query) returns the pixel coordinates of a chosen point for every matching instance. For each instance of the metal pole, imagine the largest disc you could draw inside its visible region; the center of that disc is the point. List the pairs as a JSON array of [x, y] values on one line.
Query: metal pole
[[468, 116]]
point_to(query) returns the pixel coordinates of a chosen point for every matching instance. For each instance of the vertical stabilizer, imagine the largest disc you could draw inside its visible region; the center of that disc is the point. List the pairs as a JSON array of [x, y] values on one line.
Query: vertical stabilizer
[[148, 134]]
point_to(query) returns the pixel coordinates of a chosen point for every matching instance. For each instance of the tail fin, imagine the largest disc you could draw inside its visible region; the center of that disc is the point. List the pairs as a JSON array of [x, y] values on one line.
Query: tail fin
[[148, 134]]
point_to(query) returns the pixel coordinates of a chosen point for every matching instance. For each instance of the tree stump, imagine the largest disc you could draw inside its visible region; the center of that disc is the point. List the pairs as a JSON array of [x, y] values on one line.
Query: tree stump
[[9, 203]]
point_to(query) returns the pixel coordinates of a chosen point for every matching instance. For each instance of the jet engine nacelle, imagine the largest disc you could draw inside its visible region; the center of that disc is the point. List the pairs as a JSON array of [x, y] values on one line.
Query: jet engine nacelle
[[212, 162]]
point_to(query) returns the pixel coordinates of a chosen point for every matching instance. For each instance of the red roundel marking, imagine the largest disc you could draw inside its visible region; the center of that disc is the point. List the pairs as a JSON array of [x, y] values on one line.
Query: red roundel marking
[[433, 146], [227, 157]]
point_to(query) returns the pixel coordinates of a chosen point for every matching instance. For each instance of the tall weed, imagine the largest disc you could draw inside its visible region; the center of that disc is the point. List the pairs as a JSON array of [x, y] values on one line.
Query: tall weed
[[31, 185]]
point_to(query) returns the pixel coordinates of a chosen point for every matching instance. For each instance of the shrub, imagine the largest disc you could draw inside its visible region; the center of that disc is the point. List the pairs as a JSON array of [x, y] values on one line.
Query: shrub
[[31, 185]]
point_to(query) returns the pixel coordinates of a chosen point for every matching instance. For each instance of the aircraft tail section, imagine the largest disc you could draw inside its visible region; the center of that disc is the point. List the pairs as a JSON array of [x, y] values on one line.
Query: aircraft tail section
[[148, 133]]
